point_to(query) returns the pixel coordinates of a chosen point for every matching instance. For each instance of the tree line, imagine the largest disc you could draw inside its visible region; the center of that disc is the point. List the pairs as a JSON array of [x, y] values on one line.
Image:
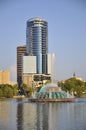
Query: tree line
[[74, 85], [9, 91]]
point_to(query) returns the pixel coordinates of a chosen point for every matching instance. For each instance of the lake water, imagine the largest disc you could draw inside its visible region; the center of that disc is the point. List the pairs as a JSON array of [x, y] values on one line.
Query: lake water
[[20, 114]]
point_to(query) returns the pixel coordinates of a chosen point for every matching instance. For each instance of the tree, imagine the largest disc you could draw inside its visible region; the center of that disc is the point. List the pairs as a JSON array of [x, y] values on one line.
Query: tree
[[1, 93], [15, 89], [30, 91], [85, 87], [73, 85], [24, 86], [8, 92]]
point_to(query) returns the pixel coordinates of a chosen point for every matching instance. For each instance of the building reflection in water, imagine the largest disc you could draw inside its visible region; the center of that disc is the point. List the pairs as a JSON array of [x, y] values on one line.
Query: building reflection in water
[[46, 116], [37, 116], [19, 114], [42, 116], [26, 115], [30, 116], [4, 115], [53, 116], [7, 114]]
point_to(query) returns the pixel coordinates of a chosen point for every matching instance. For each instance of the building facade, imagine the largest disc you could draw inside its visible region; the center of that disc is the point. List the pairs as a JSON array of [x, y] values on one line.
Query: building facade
[[37, 42], [21, 50], [35, 65], [29, 65], [51, 65], [51, 59], [5, 77]]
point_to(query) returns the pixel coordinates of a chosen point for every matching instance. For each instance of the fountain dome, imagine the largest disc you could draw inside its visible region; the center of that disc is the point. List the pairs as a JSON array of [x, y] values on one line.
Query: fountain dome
[[51, 91], [50, 87]]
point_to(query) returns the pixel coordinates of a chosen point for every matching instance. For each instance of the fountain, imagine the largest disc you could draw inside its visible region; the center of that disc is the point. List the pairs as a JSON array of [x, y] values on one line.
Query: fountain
[[51, 92]]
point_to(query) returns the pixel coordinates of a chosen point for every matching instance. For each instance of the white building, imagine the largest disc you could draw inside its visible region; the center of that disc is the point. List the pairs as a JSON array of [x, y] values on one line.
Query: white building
[[30, 75], [51, 64], [29, 69], [29, 64]]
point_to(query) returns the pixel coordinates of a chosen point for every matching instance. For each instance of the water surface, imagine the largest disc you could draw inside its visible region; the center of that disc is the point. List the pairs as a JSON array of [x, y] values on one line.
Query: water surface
[[20, 114]]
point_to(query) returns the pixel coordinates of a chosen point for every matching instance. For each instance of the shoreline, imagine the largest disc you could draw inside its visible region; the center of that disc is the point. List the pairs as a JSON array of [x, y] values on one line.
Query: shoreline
[[14, 97]]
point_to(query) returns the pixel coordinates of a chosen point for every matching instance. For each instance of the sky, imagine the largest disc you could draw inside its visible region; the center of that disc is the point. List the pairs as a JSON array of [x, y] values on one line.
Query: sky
[[66, 33]]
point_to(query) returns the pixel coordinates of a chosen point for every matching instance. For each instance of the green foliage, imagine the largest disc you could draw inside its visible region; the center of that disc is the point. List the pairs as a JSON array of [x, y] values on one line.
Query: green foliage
[[1, 93], [85, 86], [30, 91], [73, 85], [27, 90], [15, 89], [8, 91], [24, 86]]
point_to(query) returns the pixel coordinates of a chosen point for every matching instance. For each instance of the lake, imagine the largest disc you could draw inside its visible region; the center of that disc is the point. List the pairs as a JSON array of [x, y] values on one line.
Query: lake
[[21, 114]]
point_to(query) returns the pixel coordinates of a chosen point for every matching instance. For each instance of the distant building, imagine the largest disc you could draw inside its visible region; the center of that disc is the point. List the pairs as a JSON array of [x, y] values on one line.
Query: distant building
[[29, 72], [29, 65], [5, 77], [21, 50], [37, 42], [51, 63], [34, 65], [35, 80], [29, 69]]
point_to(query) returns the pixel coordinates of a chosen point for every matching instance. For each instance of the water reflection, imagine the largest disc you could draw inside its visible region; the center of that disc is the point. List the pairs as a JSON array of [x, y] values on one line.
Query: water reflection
[[26, 115], [23, 115], [30, 116], [4, 114], [19, 115], [7, 115], [60, 116], [42, 116], [48, 115]]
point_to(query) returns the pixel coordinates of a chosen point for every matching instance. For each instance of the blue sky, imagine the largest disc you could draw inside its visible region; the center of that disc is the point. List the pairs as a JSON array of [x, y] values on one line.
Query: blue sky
[[66, 33]]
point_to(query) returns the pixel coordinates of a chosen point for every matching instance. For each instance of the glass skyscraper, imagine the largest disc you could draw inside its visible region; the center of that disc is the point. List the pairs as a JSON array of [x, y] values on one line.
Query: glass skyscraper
[[37, 42]]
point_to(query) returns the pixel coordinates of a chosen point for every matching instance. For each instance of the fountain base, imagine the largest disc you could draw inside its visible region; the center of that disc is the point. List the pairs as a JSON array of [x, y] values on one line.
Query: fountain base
[[54, 100], [52, 93]]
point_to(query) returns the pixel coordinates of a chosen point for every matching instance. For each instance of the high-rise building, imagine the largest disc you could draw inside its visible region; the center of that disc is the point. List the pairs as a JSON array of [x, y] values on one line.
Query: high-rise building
[[21, 50], [51, 65], [37, 42], [34, 65], [4, 77]]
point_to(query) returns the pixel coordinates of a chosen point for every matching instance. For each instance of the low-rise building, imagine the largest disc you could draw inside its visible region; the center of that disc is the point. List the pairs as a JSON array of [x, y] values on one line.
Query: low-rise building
[[4, 77], [35, 80]]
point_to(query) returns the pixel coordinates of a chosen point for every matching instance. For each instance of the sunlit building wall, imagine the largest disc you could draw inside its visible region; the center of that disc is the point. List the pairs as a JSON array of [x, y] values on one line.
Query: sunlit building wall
[[29, 64], [5, 77], [29, 69]]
